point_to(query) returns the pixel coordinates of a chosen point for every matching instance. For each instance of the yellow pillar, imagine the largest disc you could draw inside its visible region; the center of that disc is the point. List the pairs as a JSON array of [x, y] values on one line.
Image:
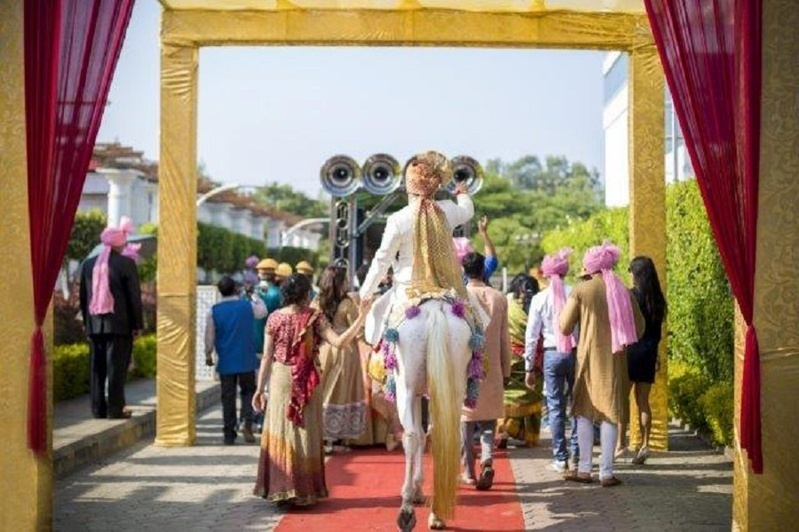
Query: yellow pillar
[[26, 481], [648, 207], [177, 246], [771, 501]]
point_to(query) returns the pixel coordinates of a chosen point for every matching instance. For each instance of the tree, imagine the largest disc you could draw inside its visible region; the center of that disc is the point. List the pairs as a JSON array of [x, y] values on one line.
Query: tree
[[85, 234], [525, 198], [285, 198]]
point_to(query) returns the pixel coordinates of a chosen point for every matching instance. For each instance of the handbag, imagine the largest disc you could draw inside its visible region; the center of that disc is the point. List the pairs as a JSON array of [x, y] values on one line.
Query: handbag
[[376, 367]]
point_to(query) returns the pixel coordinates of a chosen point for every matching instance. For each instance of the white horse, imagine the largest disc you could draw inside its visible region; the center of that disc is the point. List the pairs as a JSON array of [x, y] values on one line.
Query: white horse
[[432, 355]]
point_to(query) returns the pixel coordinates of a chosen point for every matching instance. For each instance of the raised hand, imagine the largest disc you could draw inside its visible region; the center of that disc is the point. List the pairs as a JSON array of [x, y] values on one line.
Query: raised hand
[[482, 224]]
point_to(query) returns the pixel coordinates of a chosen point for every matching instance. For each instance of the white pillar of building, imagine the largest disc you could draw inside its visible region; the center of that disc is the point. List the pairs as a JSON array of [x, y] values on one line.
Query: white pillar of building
[[119, 193]]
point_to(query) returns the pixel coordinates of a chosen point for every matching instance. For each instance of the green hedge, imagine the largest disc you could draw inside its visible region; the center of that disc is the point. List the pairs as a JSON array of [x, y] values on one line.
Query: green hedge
[[611, 224], [700, 320], [144, 357], [699, 296], [224, 251], [292, 255], [70, 371], [71, 366]]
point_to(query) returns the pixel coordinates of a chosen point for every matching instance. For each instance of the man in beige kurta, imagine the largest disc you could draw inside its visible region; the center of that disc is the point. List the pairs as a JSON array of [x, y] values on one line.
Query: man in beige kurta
[[601, 380], [490, 404]]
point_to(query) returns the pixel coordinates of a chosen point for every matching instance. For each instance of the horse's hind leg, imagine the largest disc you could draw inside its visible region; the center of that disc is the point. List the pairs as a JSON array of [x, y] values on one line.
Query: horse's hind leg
[[406, 520], [412, 440], [418, 455]]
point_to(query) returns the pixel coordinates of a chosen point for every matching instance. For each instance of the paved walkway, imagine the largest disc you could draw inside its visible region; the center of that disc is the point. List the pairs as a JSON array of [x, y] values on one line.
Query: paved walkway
[[209, 486], [79, 439]]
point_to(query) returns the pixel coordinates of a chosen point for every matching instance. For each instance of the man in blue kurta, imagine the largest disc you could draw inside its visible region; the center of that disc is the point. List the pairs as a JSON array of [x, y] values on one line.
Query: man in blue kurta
[[228, 331]]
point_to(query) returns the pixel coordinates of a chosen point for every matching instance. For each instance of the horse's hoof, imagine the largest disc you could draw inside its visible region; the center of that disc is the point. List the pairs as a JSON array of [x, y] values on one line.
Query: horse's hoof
[[418, 498], [434, 523], [406, 520]]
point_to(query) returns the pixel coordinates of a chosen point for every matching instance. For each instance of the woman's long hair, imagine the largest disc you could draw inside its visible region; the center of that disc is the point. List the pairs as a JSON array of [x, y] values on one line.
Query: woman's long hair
[[295, 289], [332, 290], [524, 287], [645, 280]]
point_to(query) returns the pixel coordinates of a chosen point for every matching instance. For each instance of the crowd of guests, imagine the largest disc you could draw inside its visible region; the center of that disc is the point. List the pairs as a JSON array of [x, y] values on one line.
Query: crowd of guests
[[561, 355], [569, 354]]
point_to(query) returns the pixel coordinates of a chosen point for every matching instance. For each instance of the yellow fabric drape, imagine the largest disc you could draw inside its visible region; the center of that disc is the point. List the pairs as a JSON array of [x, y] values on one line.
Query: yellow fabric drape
[[436, 271]]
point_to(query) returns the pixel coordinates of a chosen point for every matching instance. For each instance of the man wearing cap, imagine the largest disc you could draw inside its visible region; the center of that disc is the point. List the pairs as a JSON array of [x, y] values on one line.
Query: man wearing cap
[[269, 293], [110, 303], [609, 321], [306, 269], [542, 320], [282, 272]]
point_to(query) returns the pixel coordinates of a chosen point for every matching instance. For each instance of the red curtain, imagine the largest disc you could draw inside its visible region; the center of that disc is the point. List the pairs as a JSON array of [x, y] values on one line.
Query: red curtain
[[71, 50], [710, 51]]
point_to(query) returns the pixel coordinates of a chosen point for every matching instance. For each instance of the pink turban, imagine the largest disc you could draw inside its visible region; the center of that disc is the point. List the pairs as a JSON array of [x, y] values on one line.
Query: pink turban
[[555, 267], [622, 322], [557, 264], [102, 301], [462, 247], [132, 252]]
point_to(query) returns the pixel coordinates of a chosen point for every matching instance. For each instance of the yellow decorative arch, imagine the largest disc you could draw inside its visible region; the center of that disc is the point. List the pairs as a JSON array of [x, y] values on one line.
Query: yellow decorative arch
[[188, 25]]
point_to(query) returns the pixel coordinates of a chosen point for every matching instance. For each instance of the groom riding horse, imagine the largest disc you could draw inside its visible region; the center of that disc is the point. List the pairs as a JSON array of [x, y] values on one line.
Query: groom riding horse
[[429, 330]]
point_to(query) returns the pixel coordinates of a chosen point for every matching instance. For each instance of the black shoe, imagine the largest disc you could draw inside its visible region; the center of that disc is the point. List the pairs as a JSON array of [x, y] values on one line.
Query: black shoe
[[124, 415], [230, 441], [486, 479]]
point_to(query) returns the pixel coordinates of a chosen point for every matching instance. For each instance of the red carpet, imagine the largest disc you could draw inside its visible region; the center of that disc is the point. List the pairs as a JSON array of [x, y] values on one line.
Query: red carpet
[[364, 495]]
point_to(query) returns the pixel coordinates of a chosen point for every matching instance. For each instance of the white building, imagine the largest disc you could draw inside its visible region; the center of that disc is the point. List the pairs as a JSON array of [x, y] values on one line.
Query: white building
[[615, 71], [121, 182]]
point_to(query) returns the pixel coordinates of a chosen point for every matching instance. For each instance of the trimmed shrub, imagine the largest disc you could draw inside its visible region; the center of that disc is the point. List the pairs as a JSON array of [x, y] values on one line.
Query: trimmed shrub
[[700, 319], [686, 387], [717, 405], [144, 357], [292, 255], [70, 371], [71, 366], [224, 251], [611, 224], [700, 301]]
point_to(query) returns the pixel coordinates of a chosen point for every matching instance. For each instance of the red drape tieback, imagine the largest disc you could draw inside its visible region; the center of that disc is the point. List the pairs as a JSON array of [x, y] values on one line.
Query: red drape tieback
[[751, 438], [37, 395]]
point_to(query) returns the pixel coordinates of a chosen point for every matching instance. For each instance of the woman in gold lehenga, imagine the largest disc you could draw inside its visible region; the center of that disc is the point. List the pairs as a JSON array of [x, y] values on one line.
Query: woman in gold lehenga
[[522, 419], [291, 465], [344, 400]]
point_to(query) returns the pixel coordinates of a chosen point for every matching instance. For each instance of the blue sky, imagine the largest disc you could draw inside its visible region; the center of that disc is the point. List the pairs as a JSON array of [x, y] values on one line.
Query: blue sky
[[275, 114]]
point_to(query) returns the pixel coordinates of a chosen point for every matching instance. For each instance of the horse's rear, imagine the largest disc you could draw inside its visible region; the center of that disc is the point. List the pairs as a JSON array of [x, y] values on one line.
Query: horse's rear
[[432, 353]]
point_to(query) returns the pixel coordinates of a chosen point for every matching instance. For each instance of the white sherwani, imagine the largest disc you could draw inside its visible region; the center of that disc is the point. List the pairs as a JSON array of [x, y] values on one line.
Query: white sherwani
[[396, 249]]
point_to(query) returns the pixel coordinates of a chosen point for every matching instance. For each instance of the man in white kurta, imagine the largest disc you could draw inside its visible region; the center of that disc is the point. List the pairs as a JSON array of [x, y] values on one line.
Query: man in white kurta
[[396, 249]]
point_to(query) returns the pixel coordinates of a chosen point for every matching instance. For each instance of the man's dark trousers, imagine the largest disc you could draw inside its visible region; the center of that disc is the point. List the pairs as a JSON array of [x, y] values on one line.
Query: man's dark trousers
[[110, 359], [246, 383]]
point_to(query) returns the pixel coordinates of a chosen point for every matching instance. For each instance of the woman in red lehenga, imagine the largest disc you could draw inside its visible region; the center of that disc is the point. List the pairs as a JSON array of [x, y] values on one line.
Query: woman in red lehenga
[[291, 466]]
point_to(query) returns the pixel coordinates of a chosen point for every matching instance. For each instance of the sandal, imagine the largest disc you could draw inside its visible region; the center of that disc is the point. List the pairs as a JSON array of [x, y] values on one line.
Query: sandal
[[640, 458], [486, 479], [610, 482], [575, 476]]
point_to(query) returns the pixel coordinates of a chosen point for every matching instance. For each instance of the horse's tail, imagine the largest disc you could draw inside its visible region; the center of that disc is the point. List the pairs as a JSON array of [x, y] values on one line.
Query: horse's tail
[[445, 414]]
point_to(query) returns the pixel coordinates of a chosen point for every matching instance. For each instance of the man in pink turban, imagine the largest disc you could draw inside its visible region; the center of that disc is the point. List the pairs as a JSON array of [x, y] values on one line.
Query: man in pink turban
[[110, 302], [609, 320], [542, 320]]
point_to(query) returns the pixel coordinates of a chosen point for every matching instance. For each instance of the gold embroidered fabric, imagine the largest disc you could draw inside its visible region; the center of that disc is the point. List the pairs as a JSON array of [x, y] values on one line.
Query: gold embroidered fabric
[[436, 271]]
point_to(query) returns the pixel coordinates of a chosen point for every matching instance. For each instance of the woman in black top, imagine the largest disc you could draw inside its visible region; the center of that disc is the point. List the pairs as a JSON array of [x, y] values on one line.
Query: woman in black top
[[642, 356]]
